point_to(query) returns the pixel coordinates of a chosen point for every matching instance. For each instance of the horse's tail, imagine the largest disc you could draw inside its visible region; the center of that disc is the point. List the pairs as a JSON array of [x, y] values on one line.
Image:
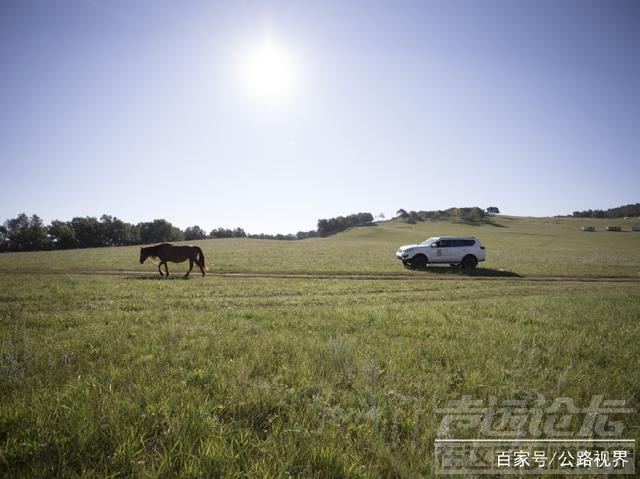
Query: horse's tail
[[201, 256]]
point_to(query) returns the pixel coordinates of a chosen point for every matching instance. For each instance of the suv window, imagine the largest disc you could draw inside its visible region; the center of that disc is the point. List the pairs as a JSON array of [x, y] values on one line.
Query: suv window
[[464, 242], [453, 243]]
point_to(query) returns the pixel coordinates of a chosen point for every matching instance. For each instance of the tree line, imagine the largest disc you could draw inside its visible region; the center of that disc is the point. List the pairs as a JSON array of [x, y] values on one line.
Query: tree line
[[619, 212], [472, 215], [29, 233], [327, 227]]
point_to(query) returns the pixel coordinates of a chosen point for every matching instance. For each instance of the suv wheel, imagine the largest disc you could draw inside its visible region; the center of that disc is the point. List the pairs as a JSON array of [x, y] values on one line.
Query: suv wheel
[[469, 262], [419, 261]]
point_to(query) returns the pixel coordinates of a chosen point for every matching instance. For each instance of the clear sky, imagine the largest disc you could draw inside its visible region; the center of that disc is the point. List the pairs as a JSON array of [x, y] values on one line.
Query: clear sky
[[270, 115]]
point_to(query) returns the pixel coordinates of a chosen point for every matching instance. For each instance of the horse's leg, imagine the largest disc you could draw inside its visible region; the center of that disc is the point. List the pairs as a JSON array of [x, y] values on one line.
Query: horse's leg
[[160, 269], [190, 268], [166, 268], [201, 265]]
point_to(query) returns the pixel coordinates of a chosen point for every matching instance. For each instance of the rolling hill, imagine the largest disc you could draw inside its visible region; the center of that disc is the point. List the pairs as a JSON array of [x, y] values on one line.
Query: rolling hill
[[519, 245]]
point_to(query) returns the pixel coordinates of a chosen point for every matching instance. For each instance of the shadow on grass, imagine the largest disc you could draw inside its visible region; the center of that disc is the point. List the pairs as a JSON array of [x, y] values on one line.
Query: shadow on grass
[[477, 272], [493, 223], [160, 278], [484, 222]]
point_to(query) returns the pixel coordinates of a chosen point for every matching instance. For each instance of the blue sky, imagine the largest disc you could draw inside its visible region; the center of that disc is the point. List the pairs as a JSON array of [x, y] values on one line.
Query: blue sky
[[145, 109]]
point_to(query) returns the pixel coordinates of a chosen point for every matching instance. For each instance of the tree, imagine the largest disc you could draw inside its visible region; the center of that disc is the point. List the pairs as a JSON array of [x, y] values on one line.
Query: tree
[[221, 233], [323, 227], [88, 231], [26, 233], [493, 210], [159, 231], [362, 219], [306, 234], [466, 215], [238, 233], [116, 232], [194, 233], [619, 212], [4, 238], [131, 234], [331, 226], [61, 235], [413, 217], [402, 214], [228, 233]]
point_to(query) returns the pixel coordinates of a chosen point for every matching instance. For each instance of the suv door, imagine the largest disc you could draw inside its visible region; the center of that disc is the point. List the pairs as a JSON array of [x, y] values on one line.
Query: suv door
[[444, 251], [464, 247]]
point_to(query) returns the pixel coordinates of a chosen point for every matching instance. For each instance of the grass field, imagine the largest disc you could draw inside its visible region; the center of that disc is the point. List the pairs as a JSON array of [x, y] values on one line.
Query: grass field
[[336, 372], [523, 246]]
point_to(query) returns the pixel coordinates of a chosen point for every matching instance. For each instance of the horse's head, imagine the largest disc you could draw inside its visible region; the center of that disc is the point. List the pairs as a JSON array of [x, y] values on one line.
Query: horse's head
[[144, 254]]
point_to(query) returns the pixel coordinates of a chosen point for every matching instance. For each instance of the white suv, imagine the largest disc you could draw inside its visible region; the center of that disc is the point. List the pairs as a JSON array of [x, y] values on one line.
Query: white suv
[[463, 250]]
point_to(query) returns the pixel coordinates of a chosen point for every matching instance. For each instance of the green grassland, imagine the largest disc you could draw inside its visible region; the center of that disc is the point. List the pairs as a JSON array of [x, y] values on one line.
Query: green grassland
[[337, 373], [523, 246]]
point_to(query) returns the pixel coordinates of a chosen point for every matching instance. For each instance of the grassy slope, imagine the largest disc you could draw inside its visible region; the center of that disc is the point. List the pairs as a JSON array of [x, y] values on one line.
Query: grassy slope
[[525, 246], [237, 377]]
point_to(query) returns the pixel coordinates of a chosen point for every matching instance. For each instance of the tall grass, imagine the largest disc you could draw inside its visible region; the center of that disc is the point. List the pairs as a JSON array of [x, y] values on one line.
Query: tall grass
[[107, 376]]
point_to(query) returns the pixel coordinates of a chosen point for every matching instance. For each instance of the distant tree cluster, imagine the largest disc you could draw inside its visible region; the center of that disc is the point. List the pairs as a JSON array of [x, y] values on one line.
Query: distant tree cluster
[[24, 233], [227, 233], [456, 215], [300, 235], [194, 233], [619, 212], [29, 233], [327, 227]]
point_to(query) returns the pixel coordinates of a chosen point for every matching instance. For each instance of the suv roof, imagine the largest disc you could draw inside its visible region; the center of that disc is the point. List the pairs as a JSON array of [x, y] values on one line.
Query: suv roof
[[455, 237]]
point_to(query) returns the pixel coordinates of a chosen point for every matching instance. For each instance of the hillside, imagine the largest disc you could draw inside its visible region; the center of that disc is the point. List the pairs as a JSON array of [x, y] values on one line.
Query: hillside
[[523, 246]]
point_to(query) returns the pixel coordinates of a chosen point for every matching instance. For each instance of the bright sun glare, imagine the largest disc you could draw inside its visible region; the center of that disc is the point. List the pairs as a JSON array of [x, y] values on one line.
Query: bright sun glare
[[268, 71]]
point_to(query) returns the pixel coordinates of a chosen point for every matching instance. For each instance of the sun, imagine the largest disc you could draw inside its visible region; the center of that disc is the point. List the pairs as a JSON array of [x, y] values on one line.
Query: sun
[[268, 71]]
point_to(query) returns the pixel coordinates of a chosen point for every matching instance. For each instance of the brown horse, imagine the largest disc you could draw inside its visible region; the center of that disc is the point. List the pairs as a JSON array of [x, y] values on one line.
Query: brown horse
[[176, 254]]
